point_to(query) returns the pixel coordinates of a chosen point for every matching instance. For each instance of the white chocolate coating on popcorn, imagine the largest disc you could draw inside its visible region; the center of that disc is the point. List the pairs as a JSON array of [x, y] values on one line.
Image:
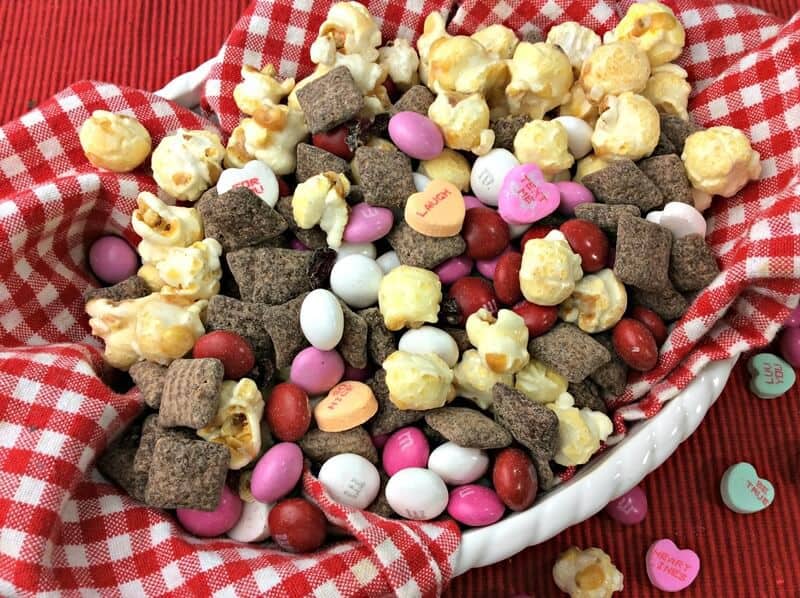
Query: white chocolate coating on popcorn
[[668, 90], [418, 381], [654, 28], [541, 77], [544, 143], [549, 270], [187, 163], [320, 200], [720, 161], [474, 380], [409, 297], [630, 128], [498, 40], [400, 61], [461, 64], [260, 89], [613, 69], [161, 226], [448, 166], [192, 272], [271, 136], [598, 302], [350, 29], [587, 165], [577, 41], [432, 29], [540, 383], [502, 342], [464, 121], [116, 142], [580, 431], [579, 106], [587, 574], [237, 423]]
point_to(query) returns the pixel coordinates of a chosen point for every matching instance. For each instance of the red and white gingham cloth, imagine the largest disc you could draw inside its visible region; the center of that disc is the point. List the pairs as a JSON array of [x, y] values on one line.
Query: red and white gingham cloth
[[65, 531]]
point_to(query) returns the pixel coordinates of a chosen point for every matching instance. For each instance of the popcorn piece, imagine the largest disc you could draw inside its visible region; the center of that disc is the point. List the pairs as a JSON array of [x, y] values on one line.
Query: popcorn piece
[[192, 272], [474, 380], [271, 136], [549, 270], [409, 297], [260, 89], [654, 28], [502, 342], [237, 423], [498, 40], [588, 165], [580, 431], [546, 144], [541, 77], [668, 90], [461, 64], [348, 29], [464, 121], [720, 161], [577, 41], [540, 383], [613, 69], [628, 129], [187, 163], [598, 302], [400, 60], [157, 328], [320, 200], [418, 381], [448, 166], [116, 142], [432, 30], [161, 226], [578, 105], [587, 574]]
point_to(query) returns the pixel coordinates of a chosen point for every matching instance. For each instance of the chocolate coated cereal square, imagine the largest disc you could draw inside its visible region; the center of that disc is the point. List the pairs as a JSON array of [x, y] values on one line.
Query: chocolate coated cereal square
[[385, 177], [282, 322], [533, 425], [669, 175], [330, 100], [149, 377], [239, 218], [643, 253], [569, 351], [621, 182], [320, 446], [117, 462], [692, 266], [422, 251], [242, 317], [668, 303], [191, 393], [677, 130], [605, 216], [380, 341], [468, 428], [418, 99], [312, 160], [506, 129], [388, 418], [130, 288]]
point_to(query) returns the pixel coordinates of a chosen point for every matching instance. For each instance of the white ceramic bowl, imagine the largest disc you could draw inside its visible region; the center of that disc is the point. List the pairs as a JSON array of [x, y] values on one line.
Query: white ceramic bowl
[[647, 445]]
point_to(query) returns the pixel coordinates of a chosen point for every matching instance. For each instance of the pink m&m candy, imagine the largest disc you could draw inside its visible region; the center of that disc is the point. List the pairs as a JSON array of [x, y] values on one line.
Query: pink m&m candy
[[470, 201], [112, 259], [208, 524], [316, 371], [790, 346], [298, 245], [407, 447], [454, 268], [793, 321], [572, 194], [525, 196], [474, 505], [277, 472], [630, 508], [487, 267], [416, 135], [367, 223]]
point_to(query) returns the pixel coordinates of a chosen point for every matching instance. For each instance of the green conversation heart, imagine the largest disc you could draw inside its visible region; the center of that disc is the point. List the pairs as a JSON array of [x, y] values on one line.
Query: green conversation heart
[[770, 376], [743, 491]]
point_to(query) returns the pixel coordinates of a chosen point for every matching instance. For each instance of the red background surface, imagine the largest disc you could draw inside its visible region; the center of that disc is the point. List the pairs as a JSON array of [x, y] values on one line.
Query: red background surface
[[47, 44]]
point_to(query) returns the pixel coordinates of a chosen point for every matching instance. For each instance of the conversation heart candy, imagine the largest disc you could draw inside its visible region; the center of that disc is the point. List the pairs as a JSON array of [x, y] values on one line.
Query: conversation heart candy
[[436, 212], [743, 491], [348, 404], [488, 173], [770, 376], [526, 197], [669, 568], [256, 176], [682, 219]]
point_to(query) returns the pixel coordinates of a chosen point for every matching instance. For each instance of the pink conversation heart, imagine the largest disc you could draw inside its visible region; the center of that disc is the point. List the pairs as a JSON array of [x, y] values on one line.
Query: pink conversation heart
[[525, 196], [669, 568]]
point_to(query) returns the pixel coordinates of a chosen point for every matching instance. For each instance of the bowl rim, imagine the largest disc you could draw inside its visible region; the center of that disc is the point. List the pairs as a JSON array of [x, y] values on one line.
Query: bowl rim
[[646, 446]]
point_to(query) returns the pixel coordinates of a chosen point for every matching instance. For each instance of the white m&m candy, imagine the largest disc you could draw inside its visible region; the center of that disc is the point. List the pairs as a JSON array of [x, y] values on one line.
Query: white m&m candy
[[350, 479], [416, 493], [256, 176], [429, 339], [458, 465], [322, 319], [253, 524], [579, 135], [488, 173], [355, 279], [682, 219]]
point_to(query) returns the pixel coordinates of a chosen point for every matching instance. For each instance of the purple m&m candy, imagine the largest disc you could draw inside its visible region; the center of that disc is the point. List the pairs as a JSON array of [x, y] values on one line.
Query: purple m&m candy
[[790, 346], [572, 194], [630, 508], [367, 223], [454, 268], [416, 135], [316, 371], [277, 472], [470, 201], [208, 524], [112, 259], [793, 321]]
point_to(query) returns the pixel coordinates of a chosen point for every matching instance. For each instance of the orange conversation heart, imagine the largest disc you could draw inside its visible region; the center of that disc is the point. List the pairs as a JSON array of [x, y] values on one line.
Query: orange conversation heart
[[436, 212]]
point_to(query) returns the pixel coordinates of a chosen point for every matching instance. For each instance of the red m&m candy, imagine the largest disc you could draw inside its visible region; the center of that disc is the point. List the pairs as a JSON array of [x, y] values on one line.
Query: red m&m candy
[[635, 345], [288, 412], [297, 526], [230, 348], [588, 241], [471, 294], [485, 233]]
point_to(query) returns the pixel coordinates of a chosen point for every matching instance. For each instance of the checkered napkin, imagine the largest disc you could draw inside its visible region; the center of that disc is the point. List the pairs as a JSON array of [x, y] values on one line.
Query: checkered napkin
[[64, 530]]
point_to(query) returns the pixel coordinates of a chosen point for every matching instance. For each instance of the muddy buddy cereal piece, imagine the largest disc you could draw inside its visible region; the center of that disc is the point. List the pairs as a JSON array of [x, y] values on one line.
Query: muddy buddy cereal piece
[[418, 381], [506, 128], [237, 423], [187, 163], [597, 303], [474, 380], [464, 121], [501, 341], [353, 345], [587, 574], [580, 431], [541, 77], [653, 27], [692, 264], [611, 376], [408, 297], [587, 394], [312, 161], [244, 318], [468, 428], [613, 69], [436, 212], [116, 142], [417, 99], [540, 383], [546, 144], [667, 303], [669, 175], [569, 351], [448, 165], [133, 287], [330, 100], [188, 474], [668, 90], [605, 216], [388, 417], [151, 432], [117, 462], [239, 218], [549, 270], [380, 343], [149, 377], [319, 446], [320, 201], [642, 257], [312, 238], [532, 425], [422, 251], [348, 404], [384, 176], [191, 393], [629, 128], [677, 130]]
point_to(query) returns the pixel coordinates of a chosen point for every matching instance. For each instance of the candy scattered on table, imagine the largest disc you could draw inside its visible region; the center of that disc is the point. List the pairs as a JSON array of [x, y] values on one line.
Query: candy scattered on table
[[743, 491], [630, 508], [770, 376], [669, 568], [587, 573]]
